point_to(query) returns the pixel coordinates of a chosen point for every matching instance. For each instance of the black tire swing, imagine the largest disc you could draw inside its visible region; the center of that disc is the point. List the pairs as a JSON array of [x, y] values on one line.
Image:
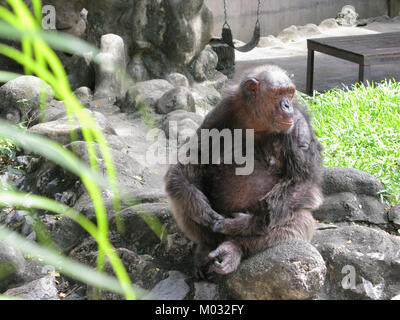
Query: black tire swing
[[227, 32]]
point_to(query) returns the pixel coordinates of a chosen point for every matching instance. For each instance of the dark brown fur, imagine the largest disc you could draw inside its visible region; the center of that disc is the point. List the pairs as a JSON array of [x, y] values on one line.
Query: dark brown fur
[[231, 216]]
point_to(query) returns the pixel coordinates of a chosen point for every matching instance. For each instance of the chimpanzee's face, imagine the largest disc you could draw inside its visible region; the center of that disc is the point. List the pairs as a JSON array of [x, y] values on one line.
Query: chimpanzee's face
[[273, 93]]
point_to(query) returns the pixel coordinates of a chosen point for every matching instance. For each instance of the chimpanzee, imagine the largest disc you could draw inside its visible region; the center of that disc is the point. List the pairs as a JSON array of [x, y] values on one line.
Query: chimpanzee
[[231, 216]]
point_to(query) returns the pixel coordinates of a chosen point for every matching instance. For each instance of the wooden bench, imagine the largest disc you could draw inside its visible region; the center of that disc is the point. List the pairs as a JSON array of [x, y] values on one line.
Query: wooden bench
[[366, 50]]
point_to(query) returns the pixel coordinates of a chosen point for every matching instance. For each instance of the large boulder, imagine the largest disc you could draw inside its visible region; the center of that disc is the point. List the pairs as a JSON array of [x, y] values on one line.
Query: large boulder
[[160, 36], [351, 196], [337, 180], [362, 262], [293, 270], [349, 207], [21, 98]]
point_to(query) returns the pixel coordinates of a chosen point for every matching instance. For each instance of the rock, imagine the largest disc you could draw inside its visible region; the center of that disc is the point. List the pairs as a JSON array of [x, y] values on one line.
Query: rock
[[204, 67], [83, 92], [293, 270], [15, 219], [172, 288], [178, 32], [68, 14], [60, 130], [205, 291], [110, 68], [137, 69], [201, 104], [12, 265], [27, 227], [329, 24], [218, 81], [41, 289], [53, 111], [348, 207], [294, 33], [308, 30], [20, 99], [129, 179], [69, 19], [191, 33], [65, 233], [396, 297], [269, 41], [396, 19], [147, 92], [34, 271], [208, 92], [362, 263], [177, 79], [152, 223], [179, 98], [85, 95], [49, 180], [30, 163], [175, 251], [289, 34], [336, 180], [394, 215], [143, 270], [347, 17], [25, 270], [180, 124]]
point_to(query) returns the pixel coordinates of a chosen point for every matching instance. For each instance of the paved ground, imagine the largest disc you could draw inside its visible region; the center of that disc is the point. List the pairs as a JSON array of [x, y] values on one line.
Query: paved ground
[[330, 72]]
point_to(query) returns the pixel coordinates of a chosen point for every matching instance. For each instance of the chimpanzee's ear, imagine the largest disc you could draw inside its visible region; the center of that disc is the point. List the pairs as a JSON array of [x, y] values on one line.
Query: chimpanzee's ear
[[250, 86]]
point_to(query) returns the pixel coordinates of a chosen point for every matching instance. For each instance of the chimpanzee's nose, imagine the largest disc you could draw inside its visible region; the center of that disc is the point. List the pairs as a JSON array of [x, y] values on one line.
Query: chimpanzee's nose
[[286, 105]]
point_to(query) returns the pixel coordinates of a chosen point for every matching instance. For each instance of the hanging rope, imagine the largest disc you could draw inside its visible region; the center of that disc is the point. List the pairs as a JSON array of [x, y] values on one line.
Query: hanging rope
[[227, 32]]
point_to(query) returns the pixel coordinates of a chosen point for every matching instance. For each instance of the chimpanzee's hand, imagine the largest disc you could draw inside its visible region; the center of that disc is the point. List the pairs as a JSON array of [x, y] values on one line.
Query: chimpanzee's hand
[[209, 218], [226, 257], [238, 225]]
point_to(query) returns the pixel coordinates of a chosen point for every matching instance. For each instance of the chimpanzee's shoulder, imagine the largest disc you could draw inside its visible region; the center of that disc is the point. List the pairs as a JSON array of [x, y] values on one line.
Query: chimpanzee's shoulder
[[301, 131]]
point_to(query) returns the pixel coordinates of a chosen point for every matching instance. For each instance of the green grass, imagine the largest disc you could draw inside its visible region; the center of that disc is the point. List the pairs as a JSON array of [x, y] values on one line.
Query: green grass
[[359, 128]]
